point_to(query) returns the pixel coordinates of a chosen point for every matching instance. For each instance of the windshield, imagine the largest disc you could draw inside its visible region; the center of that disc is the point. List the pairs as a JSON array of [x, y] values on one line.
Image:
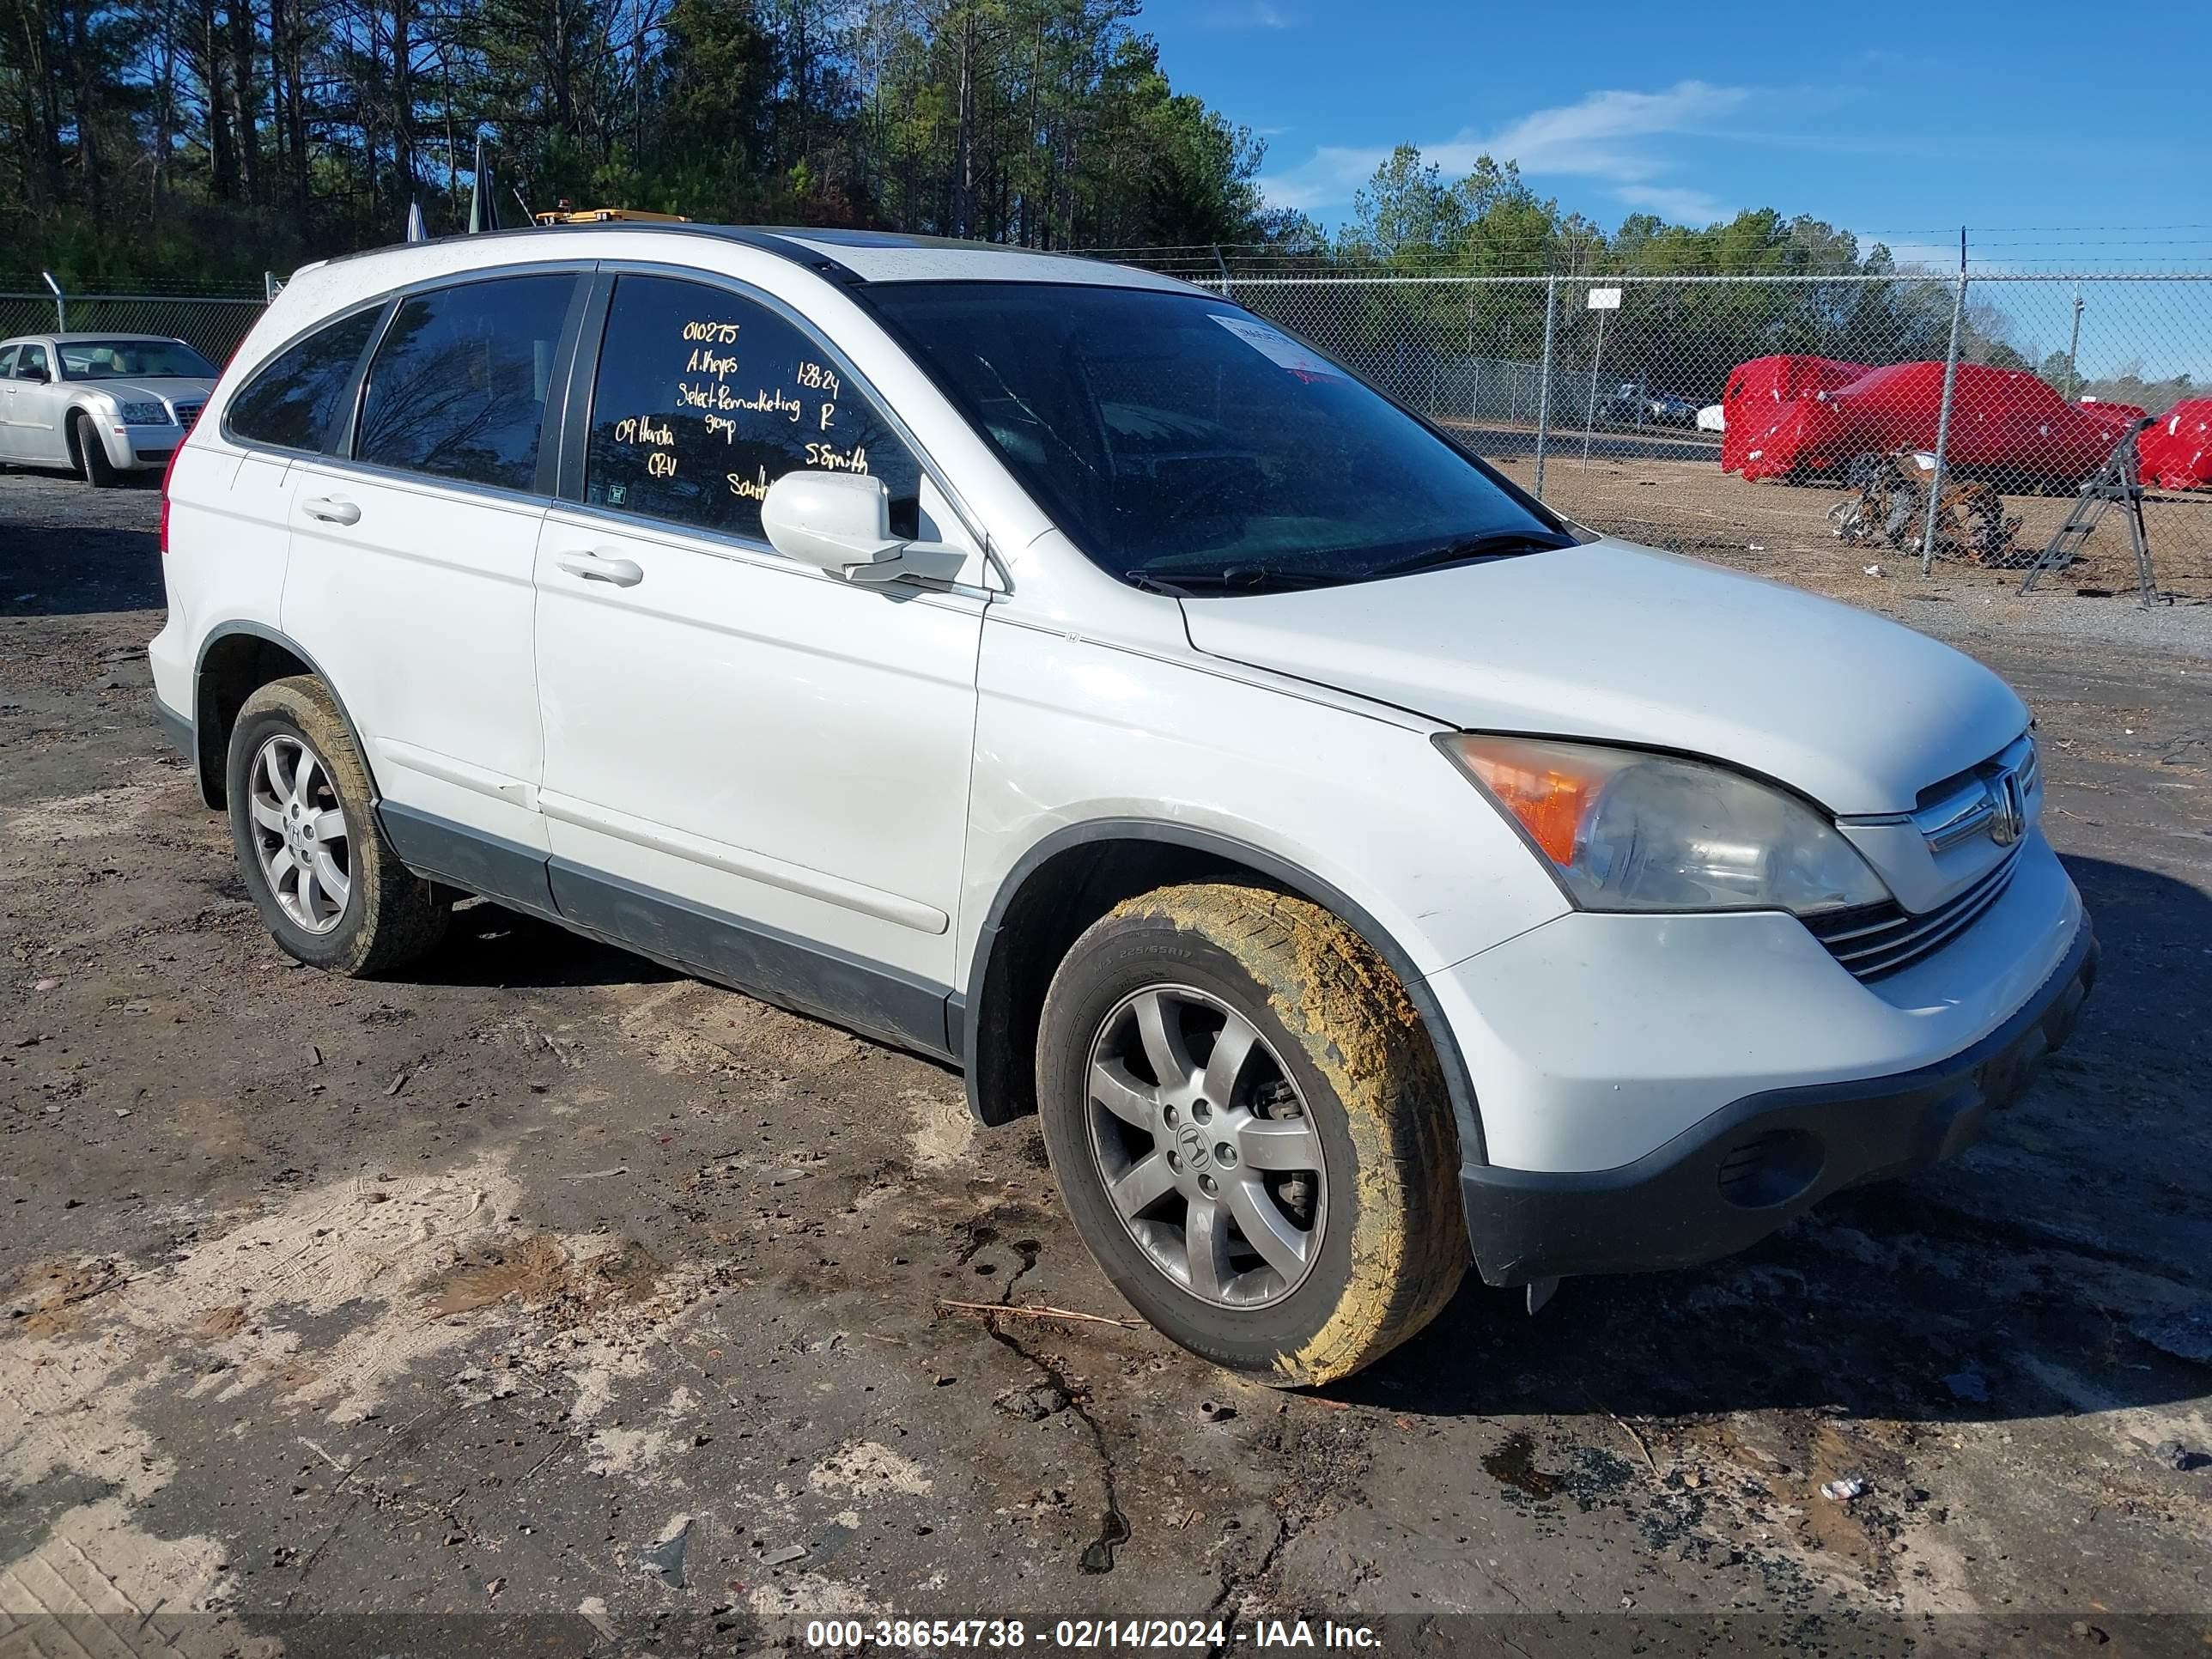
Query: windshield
[[133, 359], [1184, 444]]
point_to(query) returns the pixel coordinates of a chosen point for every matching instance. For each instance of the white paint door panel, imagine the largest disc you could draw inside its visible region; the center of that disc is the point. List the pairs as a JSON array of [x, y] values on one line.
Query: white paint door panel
[[415, 597], [757, 738], [40, 413]]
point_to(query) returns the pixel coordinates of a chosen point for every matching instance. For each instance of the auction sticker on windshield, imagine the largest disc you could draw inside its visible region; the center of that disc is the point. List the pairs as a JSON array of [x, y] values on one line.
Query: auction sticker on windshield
[[1278, 347]]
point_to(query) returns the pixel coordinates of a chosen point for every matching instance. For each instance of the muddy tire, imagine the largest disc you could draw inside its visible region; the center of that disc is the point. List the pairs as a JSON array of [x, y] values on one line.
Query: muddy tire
[[1251, 1132], [92, 463], [331, 890]]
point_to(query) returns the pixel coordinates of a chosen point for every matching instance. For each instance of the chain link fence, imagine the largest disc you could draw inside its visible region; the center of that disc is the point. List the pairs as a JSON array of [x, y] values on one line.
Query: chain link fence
[[212, 324], [1772, 421]]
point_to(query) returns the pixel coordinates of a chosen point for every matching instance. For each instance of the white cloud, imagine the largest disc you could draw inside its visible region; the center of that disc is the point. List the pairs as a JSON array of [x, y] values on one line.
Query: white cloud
[[1252, 15], [1587, 137], [1679, 207], [1605, 136]]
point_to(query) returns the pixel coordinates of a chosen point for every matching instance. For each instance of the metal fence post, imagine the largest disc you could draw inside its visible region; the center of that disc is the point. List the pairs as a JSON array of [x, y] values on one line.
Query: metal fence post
[[1943, 427], [2074, 353], [1590, 418], [1474, 363], [61, 303], [1544, 379]]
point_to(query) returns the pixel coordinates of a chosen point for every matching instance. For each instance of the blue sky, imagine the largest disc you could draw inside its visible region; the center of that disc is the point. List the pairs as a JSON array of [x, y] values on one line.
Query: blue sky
[[1897, 121]]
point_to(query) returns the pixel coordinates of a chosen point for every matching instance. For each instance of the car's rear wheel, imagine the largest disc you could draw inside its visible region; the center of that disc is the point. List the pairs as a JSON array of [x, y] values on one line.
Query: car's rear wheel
[[92, 463], [1251, 1131], [329, 886]]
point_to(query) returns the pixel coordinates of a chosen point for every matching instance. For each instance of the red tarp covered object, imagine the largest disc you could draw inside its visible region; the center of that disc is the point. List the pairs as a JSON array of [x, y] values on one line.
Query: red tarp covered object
[[2177, 451], [1759, 392], [2003, 421]]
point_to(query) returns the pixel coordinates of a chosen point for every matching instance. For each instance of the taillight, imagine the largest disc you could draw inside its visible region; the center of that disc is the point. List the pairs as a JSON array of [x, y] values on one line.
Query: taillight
[[168, 472]]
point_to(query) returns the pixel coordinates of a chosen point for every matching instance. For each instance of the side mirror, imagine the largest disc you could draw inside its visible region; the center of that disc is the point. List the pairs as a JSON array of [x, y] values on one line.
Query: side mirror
[[840, 522], [33, 372]]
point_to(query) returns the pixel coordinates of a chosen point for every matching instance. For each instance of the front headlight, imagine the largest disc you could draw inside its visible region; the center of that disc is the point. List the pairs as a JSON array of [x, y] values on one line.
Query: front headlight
[[143, 414], [1632, 831]]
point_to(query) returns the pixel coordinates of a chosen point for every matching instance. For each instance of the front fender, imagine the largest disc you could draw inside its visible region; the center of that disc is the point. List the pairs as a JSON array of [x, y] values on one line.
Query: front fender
[[986, 987], [102, 423]]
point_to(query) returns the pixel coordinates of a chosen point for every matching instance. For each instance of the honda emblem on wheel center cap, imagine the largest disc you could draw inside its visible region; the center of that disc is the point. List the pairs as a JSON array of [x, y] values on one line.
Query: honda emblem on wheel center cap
[[1191, 1143]]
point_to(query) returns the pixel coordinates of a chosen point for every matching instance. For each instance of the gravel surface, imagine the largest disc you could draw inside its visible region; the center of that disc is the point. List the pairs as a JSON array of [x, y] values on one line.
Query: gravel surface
[[1690, 506], [542, 1301]]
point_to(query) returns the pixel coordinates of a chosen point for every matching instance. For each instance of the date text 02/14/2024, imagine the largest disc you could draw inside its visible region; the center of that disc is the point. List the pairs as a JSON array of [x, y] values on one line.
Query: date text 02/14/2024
[[1087, 1635]]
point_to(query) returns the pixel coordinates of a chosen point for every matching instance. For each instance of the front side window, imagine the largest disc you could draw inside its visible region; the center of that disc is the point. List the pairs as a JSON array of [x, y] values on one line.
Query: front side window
[[292, 402], [133, 359], [704, 400], [1182, 442], [33, 365], [458, 387]]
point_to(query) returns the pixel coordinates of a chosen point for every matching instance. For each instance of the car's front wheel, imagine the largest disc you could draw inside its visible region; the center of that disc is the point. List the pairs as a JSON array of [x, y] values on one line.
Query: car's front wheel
[[1251, 1131], [329, 886], [92, 462]]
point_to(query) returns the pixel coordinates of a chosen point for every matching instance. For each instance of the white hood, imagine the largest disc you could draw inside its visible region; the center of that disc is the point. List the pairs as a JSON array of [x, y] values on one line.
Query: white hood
[[1614, 642]]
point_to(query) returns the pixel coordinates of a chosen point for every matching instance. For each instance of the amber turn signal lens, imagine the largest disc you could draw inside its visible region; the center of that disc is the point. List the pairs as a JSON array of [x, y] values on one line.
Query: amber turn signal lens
[[1547, 787]]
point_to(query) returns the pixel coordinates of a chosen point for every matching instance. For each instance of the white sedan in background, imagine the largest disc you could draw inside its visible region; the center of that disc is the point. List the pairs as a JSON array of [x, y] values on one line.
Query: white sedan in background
[[99, 404]]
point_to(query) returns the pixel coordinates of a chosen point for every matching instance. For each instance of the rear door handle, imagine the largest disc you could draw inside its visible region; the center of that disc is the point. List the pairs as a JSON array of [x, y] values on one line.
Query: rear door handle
[[598, 568], [331, 509]]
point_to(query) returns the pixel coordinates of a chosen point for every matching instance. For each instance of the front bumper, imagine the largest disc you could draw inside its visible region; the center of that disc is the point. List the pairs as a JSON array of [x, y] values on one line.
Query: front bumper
[[1752, 1167], [137, 448], [145, 447]]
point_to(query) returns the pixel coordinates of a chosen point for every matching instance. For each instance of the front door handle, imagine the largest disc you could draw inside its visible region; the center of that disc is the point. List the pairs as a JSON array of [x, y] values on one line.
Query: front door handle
[[598, 568], [331, 509]]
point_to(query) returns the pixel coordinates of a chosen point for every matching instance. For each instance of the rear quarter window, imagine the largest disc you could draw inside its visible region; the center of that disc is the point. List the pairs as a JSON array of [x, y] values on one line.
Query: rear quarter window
[[291, 404]]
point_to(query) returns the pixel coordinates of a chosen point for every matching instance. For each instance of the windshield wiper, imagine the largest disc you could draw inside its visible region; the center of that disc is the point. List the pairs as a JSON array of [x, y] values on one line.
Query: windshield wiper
[[1151, 584], [1237, 578], [1498, 543]]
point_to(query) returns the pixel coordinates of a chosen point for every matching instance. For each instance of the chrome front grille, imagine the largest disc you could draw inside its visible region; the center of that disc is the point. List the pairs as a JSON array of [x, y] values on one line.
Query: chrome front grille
[[187, 413], [1996, 799], [1882, 939]]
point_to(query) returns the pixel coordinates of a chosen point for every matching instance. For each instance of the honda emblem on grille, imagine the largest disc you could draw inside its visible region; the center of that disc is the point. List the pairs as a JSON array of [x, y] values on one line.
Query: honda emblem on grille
[[2008, 808]]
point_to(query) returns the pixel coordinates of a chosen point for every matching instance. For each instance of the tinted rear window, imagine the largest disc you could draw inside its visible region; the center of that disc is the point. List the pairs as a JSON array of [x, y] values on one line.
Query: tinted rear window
[[458, 387], [291, 403]]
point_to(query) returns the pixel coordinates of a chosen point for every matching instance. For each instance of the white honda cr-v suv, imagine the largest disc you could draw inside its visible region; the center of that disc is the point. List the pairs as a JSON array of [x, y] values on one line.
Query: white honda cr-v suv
[[1055, 668]]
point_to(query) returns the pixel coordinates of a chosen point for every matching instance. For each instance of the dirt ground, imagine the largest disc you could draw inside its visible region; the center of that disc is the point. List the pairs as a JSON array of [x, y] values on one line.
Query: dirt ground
[[1688, 505], [544, 1302]]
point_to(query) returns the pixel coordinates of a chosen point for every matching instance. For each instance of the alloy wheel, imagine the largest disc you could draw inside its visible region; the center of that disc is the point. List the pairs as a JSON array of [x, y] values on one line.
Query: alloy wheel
[[1207, 1152], [300, 833]]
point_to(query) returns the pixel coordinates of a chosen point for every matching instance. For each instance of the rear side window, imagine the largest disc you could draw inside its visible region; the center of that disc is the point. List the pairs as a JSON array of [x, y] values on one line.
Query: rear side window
[[704, 399], [290, 403], [457, 388]]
